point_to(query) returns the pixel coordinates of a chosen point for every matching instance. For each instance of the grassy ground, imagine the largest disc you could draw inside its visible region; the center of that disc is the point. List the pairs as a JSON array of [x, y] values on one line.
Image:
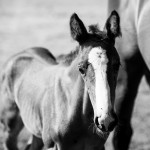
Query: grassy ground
[[25, 23]]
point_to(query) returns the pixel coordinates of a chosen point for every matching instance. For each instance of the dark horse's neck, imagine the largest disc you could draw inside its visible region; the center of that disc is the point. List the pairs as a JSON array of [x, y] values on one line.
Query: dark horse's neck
[[80, 97]]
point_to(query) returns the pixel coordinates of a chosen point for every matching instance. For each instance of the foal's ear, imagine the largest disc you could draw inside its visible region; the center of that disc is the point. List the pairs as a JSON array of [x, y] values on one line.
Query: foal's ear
[[112, 26], [77, 28]]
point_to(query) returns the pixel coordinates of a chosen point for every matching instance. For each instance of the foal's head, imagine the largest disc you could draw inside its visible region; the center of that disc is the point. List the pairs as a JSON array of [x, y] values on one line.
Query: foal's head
[[98, 65]]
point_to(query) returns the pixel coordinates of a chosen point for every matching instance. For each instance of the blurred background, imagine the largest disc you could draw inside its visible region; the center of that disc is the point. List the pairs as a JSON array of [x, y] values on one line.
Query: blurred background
[[29, 23], [25, 23]]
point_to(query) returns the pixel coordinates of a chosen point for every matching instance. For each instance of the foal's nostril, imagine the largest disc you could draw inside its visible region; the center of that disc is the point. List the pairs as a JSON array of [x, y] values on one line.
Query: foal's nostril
[[96, 121], [101, 126], [107, 124]]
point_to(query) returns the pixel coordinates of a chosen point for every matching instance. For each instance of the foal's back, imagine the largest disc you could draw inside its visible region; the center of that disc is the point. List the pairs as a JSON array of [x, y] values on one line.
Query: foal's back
[[14, 70]]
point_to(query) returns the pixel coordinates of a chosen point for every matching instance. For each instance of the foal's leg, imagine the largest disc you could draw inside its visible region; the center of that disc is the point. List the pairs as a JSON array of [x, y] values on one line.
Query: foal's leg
[[15, 125], [124, 105], [37, 144]]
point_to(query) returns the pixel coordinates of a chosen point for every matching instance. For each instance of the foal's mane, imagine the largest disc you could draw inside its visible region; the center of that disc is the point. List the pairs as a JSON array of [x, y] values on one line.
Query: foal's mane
[[94, 29], [66, 59]]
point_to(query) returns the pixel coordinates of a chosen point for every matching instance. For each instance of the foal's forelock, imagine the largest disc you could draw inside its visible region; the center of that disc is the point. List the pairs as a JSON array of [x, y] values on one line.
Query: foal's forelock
[[99, 61]]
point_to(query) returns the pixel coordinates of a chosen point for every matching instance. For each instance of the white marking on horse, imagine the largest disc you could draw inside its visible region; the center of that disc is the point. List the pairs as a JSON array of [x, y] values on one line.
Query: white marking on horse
[[99, 60]]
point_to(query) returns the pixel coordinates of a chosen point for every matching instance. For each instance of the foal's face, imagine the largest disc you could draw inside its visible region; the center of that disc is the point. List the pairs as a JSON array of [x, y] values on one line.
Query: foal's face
[[99, 68], [99, 64]]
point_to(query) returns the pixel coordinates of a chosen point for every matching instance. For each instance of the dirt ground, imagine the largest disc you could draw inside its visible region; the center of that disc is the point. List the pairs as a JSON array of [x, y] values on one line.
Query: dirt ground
[[28, 23]]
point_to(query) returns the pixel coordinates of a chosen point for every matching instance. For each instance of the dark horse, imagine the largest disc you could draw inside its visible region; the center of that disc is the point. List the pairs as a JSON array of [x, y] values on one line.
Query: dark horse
[[68, 103], [135, 52]]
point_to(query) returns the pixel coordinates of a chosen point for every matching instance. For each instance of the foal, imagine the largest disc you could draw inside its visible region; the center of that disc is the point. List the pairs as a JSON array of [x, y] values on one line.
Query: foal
[[66, 103]]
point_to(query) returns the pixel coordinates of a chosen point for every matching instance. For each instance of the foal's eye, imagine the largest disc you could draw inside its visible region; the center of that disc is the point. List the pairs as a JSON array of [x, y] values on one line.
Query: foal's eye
[[82, 68]]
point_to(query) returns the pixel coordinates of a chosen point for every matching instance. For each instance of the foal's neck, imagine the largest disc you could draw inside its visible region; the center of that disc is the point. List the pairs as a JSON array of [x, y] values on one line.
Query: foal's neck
[[73, 71]]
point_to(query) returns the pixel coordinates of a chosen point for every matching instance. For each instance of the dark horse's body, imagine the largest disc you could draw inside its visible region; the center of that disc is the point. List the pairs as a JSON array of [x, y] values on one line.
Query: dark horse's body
[[66, 105], [135, 52]]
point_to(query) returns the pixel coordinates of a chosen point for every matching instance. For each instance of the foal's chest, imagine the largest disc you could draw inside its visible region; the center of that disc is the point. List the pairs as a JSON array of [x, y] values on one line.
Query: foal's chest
[[79, 139], [82, 143], [76, 138]]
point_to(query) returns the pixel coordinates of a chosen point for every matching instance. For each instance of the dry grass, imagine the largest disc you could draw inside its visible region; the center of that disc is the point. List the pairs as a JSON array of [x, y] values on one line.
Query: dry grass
[[45, 23]]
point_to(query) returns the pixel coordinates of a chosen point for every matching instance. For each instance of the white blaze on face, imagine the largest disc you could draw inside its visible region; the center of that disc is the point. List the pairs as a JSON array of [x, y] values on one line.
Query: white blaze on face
[[99, 61]]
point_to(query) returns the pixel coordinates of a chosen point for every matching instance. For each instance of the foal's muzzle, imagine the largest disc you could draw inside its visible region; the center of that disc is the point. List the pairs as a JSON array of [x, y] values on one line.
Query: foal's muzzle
[[106, 123]]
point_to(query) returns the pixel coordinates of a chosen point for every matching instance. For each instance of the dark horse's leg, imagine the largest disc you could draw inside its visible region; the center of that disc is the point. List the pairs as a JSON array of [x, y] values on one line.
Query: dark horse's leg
[[124, 105], [37, 144], [15, 125]]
